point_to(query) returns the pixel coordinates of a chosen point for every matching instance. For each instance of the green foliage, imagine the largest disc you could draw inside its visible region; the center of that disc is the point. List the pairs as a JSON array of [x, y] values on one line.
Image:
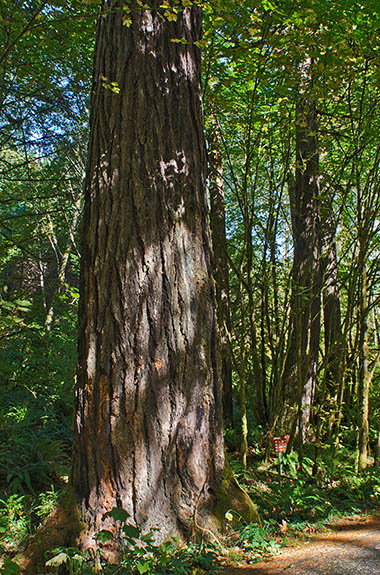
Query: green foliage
[[15, 520], [302, 497], [252, 53], [258, 541], [75, 562], [46, 503], [232, 439], [142, 555], [9, 567], [36, 399], [33, 447], [118, 514]]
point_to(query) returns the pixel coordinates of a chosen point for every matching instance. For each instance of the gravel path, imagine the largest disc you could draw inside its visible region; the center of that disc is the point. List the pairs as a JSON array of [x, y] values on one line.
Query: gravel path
[[352, 547]]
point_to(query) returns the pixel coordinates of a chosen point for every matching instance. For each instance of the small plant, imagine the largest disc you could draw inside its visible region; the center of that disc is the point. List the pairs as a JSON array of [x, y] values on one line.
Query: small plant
[[76, 562], [9, 567], [258, 541], [15, 522], [47, 502]]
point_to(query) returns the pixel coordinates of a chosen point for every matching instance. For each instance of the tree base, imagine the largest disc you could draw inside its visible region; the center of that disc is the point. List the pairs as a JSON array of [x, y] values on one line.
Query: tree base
[[64, 528], [61, 529], [234, 504]]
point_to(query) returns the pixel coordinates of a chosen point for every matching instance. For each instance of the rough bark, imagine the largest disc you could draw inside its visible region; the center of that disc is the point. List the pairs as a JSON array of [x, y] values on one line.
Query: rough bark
[[220, 265], [148, 428]]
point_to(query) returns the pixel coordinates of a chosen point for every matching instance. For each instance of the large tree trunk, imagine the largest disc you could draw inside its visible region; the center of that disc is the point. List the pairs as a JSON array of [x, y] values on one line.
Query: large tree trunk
[[148, 431]]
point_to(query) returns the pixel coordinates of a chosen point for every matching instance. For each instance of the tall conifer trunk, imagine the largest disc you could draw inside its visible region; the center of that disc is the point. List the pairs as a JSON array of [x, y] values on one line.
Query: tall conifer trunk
[[148, 428]]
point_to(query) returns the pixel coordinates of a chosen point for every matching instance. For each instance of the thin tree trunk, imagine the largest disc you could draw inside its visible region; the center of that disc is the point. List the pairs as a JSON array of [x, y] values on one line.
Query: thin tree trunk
[[333, 339], [300, 368], [364, 377], [220, 266], [64, 260], [377, 450], [331, 304]]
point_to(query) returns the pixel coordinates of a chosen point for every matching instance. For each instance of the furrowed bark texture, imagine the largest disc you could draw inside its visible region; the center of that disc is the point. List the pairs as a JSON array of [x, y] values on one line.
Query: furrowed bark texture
[[148, 433]]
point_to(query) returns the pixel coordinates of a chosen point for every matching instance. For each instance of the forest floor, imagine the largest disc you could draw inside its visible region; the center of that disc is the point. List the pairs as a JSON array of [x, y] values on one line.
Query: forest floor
[[349, 547]]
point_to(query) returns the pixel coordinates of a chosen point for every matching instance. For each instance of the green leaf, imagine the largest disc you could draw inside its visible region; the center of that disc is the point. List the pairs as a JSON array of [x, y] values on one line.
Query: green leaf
[[59, 559], [23, 303], [28, 481], [267, 5], [117, 513], [171, 16], [143, 567], [77, 557], [9, 567], [178, 40], [126, 21], [104, 536], [131, 531]]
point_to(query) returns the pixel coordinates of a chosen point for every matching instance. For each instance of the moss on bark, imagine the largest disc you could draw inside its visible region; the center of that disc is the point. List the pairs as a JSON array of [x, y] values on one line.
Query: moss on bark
[[232, 498]]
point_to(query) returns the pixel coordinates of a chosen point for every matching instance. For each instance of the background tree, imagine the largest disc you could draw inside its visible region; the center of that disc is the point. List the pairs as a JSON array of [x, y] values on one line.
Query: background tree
[[253, 78], [220, 264]]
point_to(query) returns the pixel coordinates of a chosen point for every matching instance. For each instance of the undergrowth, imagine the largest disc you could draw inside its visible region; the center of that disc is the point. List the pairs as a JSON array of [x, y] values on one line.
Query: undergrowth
[[302, 501], [303, 497]]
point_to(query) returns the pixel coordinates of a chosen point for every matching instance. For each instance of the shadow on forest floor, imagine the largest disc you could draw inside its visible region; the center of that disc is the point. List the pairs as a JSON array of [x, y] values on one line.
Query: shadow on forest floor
[[351, 546]]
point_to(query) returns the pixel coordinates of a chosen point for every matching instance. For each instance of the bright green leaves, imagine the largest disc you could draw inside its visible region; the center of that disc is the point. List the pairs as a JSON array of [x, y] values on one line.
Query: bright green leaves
[[126, 17], [59, 559], [143, 567], [170, 10], [143, 5], [72, 557], [169, 13], [267, 5], [112, 86], [178, 40]]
